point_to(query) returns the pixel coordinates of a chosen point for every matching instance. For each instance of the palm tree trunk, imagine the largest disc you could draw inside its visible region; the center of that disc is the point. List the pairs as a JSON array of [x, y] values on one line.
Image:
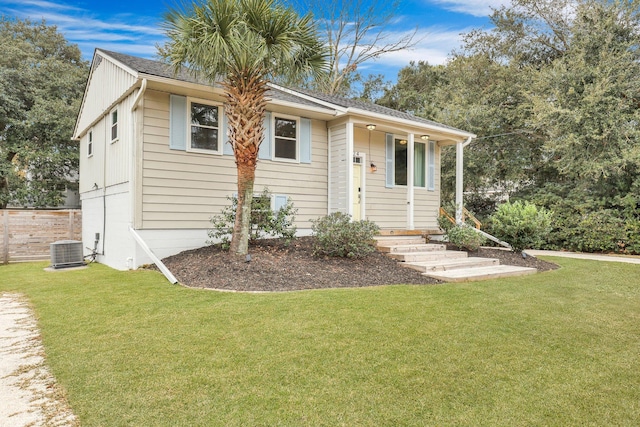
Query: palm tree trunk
[[245, 108]]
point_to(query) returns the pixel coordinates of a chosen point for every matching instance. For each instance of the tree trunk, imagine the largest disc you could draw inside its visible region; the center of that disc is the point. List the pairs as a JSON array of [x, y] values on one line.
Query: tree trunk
[[240, 238], [245, 109]]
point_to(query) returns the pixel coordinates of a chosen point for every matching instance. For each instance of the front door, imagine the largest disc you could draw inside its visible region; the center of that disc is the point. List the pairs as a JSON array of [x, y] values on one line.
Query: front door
[[357, 188]]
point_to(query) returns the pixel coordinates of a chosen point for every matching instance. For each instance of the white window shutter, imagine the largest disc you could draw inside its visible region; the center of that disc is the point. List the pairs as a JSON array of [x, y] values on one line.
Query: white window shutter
[[177, 122], [305, 141], [389, 161], [264, 152]]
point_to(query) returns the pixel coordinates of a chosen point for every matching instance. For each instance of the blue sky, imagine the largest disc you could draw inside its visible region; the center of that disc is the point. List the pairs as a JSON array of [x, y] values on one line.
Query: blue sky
[[133, 26]]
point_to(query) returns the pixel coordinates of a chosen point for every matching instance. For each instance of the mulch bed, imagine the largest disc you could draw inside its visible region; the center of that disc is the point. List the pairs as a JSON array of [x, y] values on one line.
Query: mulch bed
[[276, 267]]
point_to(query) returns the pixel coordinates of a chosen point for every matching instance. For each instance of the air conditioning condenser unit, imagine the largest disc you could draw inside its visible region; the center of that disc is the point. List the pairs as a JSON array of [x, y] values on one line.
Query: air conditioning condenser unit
[[66, 253]]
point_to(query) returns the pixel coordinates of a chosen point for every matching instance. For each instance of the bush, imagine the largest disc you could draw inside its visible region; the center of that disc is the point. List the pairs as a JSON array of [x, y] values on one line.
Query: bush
[[522, 225], [632, 244], [264, 221], [600, 231], [336, 235], [464, 237]]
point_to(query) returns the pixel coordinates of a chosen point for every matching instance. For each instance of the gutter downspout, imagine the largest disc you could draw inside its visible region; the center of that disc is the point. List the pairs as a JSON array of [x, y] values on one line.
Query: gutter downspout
[[132, 157], [170, 277], [139, 96], [459, 178]]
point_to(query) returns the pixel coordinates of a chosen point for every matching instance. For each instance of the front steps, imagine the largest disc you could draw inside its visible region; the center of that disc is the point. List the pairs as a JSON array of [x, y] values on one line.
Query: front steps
[[434, 260]]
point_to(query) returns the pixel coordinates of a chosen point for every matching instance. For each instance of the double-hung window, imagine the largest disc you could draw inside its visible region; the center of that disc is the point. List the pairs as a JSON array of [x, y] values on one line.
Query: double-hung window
[[285, 137], [205, 127], [400, 163]]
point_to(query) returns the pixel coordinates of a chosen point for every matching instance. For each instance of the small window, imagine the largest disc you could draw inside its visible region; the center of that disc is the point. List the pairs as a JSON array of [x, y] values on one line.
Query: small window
[[90, 144], [205, 127], [285, 138], [114, 125], [419, 166]]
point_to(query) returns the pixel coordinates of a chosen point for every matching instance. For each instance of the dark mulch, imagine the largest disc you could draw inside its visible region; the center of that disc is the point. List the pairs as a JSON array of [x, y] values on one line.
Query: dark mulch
[[275, 267]]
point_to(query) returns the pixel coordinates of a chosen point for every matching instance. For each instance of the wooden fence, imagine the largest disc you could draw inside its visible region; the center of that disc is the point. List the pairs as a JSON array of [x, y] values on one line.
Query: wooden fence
[[25, 235]]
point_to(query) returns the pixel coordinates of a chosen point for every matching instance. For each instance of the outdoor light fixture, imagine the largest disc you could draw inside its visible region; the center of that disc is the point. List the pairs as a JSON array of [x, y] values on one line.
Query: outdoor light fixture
[[424, 137], [403, 142], [374, 168], [371, 127]]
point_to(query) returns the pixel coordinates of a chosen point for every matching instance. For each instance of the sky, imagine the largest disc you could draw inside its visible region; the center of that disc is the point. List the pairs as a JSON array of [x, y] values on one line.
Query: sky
[[133, 26]]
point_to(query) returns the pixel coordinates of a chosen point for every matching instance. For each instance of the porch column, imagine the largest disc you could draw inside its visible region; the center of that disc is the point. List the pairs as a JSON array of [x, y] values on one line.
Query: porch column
[[349, 165], [410, 178], [459, 181]]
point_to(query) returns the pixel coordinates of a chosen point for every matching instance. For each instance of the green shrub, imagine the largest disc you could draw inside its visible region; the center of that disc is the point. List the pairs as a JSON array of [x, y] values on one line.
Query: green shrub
[[464, 237], [599, 231], [264, 221], [336, 235], [522, 225], [632, 244]]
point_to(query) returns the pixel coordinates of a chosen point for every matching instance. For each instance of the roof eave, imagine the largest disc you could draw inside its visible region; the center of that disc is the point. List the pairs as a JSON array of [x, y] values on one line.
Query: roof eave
[[413, 123]]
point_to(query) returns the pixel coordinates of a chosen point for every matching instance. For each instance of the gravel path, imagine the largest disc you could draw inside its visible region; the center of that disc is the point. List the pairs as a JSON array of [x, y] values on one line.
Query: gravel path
[[29, 395]]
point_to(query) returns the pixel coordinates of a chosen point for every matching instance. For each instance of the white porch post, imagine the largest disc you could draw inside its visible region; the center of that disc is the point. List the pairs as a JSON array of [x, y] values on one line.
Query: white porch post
[[459, 182], [410, 192], [349, 168]]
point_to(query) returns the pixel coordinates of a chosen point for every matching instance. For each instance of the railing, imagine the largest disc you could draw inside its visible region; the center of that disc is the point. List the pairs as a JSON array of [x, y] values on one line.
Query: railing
[[468, 215], [465, 215]]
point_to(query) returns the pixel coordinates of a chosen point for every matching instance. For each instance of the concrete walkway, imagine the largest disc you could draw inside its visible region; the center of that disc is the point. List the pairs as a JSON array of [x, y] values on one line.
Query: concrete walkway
[[595, 257], [29, 395]]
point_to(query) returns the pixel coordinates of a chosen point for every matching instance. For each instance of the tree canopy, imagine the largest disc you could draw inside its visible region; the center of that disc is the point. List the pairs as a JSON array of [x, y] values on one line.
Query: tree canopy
[[42, 80], [553, 92]]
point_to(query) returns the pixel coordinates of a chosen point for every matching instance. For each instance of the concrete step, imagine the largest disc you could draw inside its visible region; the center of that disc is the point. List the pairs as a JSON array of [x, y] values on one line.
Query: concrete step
[[425, 247], [427, 256], [399, 240], [480, 273], [451, 264]]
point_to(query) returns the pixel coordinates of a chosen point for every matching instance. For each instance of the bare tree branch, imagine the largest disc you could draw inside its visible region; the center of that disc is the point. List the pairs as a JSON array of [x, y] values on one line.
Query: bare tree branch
[[356, 32]]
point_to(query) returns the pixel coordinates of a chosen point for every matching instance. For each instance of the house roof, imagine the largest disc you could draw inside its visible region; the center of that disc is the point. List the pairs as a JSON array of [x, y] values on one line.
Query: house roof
[[161, 69], [298, 96]]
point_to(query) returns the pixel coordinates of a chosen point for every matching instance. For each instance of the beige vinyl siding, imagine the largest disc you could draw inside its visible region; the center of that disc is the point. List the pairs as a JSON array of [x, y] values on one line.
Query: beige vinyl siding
[[339, 167], [182, 190], [427, 203], [387, 207], [100, 95]]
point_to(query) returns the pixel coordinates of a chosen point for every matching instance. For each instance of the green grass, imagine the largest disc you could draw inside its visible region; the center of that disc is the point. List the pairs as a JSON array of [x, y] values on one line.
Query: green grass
[[559, 348]]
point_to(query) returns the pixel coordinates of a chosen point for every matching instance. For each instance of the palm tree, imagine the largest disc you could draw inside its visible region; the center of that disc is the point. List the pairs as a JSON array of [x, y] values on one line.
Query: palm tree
[[241, 45]]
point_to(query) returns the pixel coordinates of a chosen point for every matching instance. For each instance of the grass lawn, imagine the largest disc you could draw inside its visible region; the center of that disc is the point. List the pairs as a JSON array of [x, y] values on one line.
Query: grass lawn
[[558, 348]]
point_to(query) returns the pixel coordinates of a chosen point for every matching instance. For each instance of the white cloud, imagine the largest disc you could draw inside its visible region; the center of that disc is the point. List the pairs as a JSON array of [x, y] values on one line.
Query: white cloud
[[434, 46], [471, 7], [126, 33]]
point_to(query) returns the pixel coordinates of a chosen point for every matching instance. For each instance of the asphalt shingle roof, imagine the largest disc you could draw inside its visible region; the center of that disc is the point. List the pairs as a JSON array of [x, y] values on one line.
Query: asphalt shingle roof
[[161, 69]]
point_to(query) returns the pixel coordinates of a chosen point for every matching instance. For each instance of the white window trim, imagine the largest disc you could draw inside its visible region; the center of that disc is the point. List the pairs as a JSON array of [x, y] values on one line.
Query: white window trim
[[275, 116], [219, 151], [117, 123], [426, 159], [90, 143]]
